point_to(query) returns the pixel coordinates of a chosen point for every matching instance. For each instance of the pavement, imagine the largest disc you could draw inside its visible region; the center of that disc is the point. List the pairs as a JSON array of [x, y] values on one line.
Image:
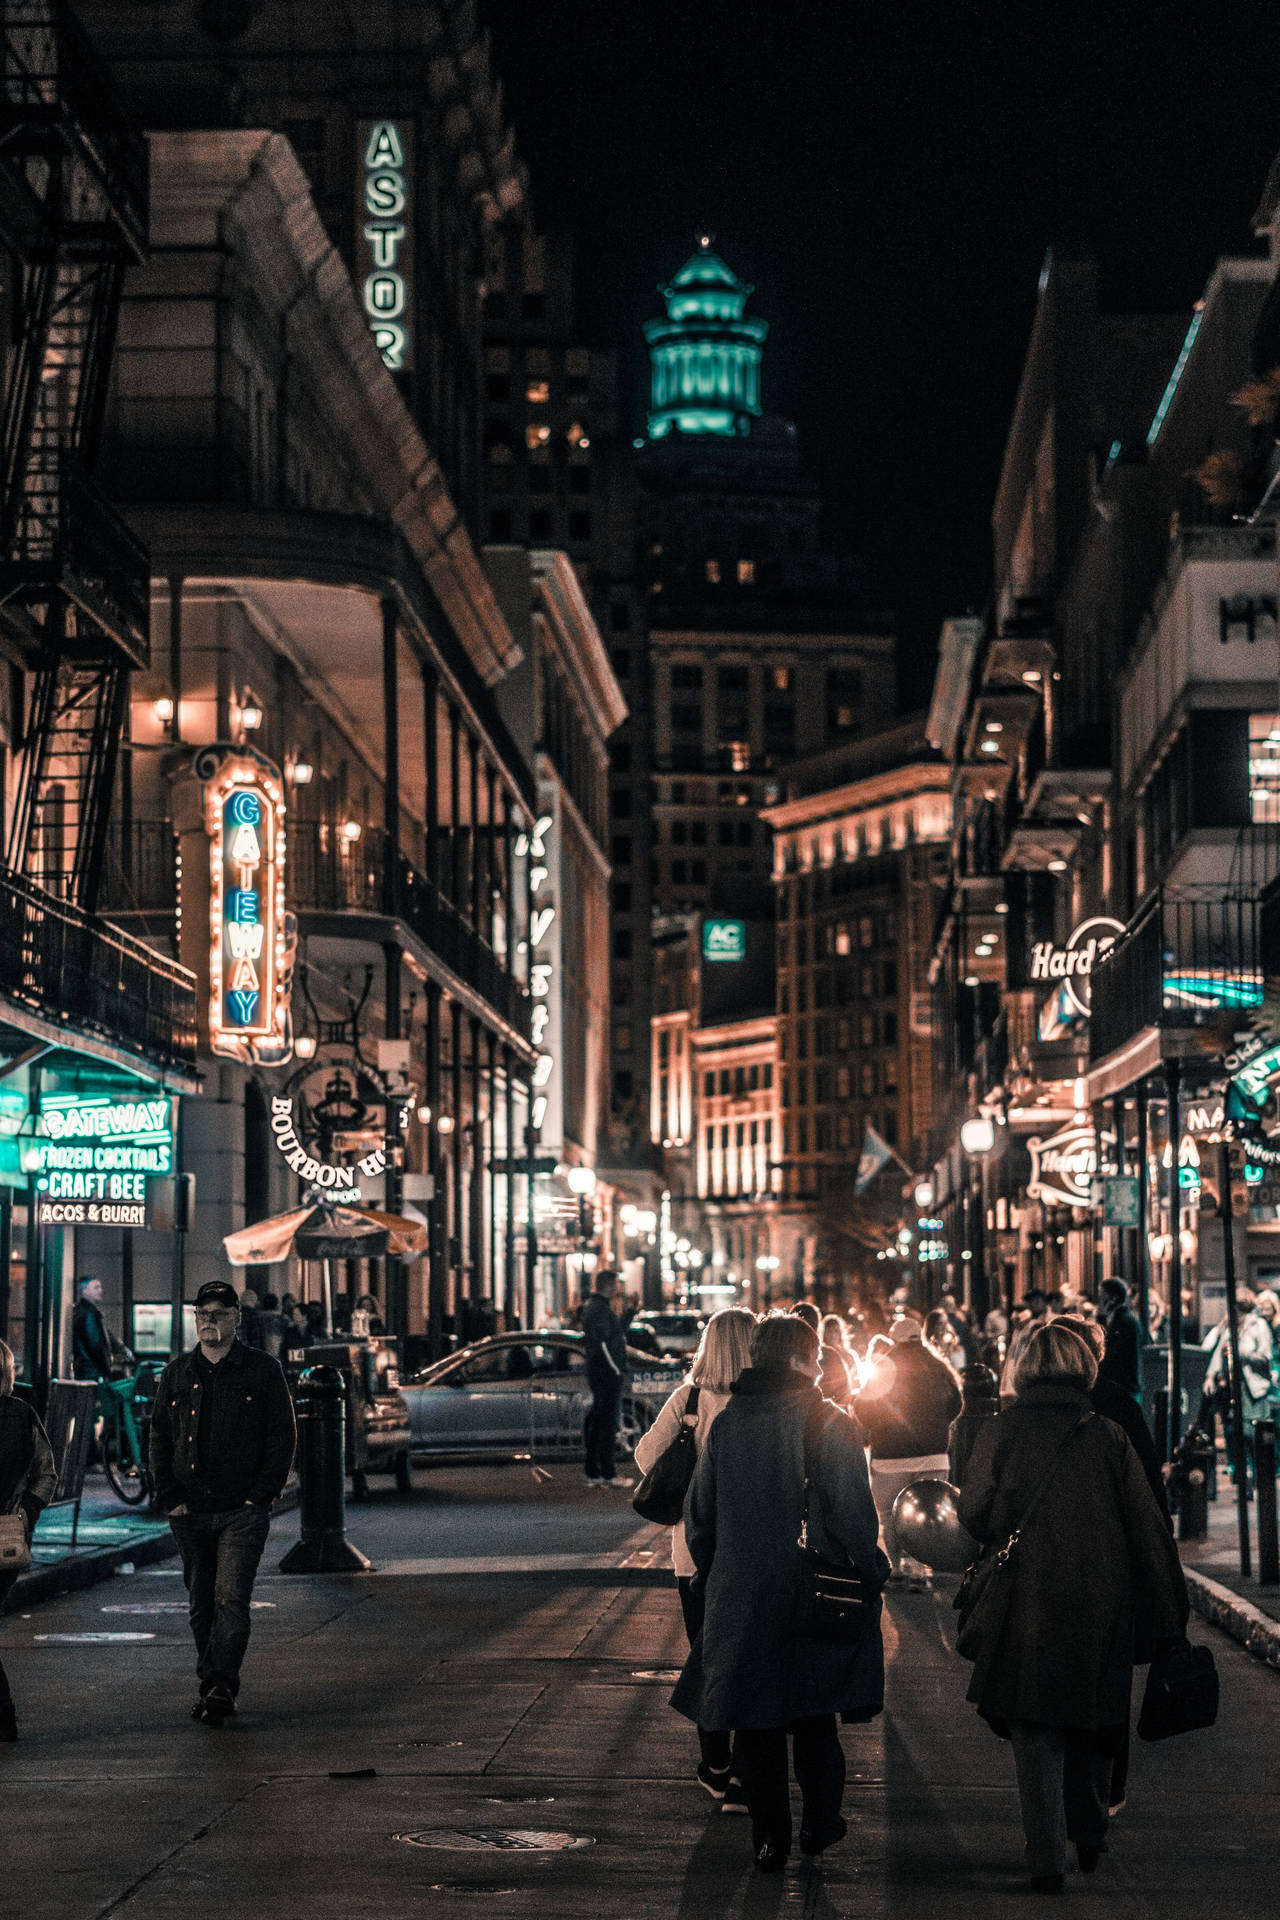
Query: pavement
[[480, 1726], [1220, 1592]]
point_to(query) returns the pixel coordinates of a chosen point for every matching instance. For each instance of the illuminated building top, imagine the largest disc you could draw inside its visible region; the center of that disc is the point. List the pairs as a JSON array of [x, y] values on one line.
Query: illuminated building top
[[705, 356]]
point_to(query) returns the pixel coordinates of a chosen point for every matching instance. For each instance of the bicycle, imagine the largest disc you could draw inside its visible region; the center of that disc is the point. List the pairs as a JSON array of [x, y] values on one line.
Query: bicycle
[[125, 1406]]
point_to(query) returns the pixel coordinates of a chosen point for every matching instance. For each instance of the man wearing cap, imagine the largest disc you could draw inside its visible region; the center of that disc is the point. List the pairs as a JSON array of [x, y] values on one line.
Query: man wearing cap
[[222, 1439]]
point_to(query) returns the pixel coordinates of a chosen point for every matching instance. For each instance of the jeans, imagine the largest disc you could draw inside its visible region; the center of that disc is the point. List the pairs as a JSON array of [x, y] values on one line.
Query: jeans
[[1064, 1787], [600, 1429], [760, 1754], [220, 1555], [717, 1747]]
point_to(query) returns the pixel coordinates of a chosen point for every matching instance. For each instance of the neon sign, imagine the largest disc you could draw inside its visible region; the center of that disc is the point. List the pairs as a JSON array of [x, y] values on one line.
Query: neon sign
[[1063, 1167], [544, 952], [724, 940], [1074, 963], [94, 1158], [384, 248], [244, 818]]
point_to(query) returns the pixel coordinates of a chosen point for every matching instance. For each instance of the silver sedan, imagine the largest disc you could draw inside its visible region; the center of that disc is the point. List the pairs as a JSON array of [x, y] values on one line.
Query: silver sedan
[[523, 1396]]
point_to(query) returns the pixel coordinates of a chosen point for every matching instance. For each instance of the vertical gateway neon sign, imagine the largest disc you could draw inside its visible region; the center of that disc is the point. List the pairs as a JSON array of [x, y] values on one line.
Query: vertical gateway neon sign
[[244, 818], [384, 224]]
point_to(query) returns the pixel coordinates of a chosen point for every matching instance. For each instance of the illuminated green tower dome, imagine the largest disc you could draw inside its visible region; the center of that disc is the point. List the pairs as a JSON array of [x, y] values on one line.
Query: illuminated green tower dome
[[705, 357]]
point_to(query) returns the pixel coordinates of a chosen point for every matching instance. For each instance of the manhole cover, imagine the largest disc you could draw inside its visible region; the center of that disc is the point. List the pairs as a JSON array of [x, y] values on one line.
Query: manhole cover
[[496, 1840], [656, 1673], [71, 1639]]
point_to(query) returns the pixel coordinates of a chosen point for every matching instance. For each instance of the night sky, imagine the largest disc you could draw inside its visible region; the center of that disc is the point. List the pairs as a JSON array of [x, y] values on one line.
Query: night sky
[[889, 177]]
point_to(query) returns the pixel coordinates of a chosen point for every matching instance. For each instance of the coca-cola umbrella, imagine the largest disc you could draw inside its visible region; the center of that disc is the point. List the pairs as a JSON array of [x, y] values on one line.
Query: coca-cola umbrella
[[326, 1232]]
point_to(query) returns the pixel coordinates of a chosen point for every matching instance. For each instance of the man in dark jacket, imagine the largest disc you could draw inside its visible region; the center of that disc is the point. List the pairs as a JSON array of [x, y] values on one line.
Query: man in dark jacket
[[906, 1410], [90, 1341], [222, 1439], [606, 1347], [1122, 1361]]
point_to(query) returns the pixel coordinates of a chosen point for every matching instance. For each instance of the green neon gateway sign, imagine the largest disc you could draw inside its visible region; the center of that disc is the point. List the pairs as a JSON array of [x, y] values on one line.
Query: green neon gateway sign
[[94, 1137], [724, 939]]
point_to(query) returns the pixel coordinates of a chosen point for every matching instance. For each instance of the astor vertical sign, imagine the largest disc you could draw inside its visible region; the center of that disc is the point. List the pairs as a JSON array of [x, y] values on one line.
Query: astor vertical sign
[[384, 236], [244, 818]]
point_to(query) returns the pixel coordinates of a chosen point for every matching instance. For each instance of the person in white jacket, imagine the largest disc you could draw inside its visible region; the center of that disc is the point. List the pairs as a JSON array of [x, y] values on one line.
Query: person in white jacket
[[722, 1354]]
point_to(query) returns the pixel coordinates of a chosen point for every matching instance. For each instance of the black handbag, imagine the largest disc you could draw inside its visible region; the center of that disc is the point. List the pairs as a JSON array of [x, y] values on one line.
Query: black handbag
[[1181, 1694], [986, 1588], [835, 1600], [660, 1495]]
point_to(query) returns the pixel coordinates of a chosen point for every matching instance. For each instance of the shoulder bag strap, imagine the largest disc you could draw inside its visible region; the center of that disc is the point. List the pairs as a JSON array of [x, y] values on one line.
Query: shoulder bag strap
[[1054, 1464], [691, 1404]]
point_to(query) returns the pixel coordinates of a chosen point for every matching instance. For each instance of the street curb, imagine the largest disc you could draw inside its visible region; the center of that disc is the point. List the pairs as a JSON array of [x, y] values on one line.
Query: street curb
[[1256, 1631]]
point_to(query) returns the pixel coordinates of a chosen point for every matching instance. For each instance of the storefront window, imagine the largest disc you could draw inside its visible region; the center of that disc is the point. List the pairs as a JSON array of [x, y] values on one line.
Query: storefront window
[[1264, 767]]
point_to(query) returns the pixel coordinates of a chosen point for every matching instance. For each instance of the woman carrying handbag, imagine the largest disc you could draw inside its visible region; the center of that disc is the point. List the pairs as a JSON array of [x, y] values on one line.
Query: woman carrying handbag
[[722, 1355], [762, 1664], [1075, 1544], [28, 1480]]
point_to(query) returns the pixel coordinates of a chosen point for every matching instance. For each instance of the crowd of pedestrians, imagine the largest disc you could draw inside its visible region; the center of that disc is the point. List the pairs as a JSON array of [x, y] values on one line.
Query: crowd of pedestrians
[[806, 1430]]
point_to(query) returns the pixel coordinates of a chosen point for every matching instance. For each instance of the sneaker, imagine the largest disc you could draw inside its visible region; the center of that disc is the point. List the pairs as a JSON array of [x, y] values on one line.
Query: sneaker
[[594, 1480], [1118, 1808], [219, 1702], [716, 1780], [619, 1480], [735, 1800]]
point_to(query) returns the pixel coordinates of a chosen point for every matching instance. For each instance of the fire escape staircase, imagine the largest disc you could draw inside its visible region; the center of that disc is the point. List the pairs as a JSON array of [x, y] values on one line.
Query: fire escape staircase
[[74, 581]]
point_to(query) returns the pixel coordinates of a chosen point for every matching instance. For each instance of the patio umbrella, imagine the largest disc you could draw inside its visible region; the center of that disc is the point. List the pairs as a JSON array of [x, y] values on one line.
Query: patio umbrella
[[326, 1233]]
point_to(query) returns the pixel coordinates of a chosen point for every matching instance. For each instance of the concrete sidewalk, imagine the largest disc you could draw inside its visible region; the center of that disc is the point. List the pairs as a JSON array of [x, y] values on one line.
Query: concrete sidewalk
[[500, 1744], [1237, 1603]]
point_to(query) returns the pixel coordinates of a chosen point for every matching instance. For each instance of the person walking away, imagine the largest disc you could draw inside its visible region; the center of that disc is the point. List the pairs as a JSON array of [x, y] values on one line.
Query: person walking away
[[905, 1410], [961, 1321], [1268, 1309], [1122, 1361], [723, 1353], [222, 1441], [1033, 1313], [251, 1328], [1256, 1344], [28, 1481], [941, 1340], [1056, 1675], [747, 1669], [837, 1369], [606, 1349], [979, 1402], [91, 1347]]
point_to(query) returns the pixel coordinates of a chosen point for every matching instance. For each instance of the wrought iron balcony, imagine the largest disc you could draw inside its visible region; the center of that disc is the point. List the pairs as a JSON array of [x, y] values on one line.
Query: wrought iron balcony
[[1181, 964], [79, 975], [327, 874]]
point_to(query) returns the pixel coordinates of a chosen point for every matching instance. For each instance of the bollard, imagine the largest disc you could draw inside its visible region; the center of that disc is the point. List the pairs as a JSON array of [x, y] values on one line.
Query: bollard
[[1193, 1465], [322, 1471], [1264, 1473]]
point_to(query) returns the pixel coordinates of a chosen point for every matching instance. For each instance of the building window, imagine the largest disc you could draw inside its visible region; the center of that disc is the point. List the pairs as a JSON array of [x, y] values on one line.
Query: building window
[[709, 1084], [539, 525], [686, 719], [579, 526], [622, 896], [537, 434], [578, 436], [679, 873], [535, 306], [500, 524], [620, 616], [746, 572], [713, 573], [497, 387], [733, 679], [621, 943], [622, 1039], [579, 479], [686, 678], [1264, 767], [622, 1084], [698, 833]]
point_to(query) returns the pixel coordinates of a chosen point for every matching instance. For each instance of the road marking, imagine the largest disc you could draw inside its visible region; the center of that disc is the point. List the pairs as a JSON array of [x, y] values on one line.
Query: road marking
[[75, 1639]]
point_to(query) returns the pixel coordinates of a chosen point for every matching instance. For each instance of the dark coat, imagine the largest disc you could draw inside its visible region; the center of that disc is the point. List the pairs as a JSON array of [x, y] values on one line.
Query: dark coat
[[907, 1408], [1095, 1545], [605, 1340], [90, 1342], [1122, 1360], [742, 1522]]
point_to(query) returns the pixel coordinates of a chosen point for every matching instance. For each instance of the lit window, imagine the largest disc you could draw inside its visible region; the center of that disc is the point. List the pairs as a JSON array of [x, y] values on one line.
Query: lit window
[[1264, 767], [577, 436], [746, 572], [713, 572], [739, 755], [537, 393], [843, 942], [537, 434], [781, 677], [844, 716]]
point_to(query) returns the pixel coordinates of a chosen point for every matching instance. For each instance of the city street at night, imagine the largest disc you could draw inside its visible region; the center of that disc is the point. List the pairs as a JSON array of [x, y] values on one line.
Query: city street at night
[[492, 1701]]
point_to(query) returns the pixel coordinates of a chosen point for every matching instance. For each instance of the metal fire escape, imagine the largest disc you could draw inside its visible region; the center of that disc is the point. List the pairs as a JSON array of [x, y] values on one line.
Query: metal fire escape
[[74, 581]]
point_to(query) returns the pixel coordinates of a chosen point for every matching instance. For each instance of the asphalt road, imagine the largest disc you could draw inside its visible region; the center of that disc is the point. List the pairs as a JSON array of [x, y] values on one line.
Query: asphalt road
[[498, 1700]]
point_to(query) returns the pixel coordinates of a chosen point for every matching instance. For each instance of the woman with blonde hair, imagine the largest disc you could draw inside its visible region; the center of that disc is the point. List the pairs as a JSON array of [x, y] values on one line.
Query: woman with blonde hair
[[723, 1353], [28, 1481]]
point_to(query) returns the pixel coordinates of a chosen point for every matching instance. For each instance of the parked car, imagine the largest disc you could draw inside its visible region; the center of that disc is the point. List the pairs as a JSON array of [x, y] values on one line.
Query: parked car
[[677, 1331], [522, 1395]]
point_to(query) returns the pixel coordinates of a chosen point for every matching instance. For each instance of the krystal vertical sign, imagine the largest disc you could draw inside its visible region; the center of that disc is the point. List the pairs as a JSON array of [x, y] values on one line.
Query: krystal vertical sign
[[384, 235], [244, 818]]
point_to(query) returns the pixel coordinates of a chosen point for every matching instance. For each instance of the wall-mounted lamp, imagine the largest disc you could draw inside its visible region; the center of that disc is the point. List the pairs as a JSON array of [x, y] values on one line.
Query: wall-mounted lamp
[[582, 1181], [305, 1046], [424, 1116], [301, 773], [250, 713], [163, 709], [351, 830], [445, 1123], [978, 1135]]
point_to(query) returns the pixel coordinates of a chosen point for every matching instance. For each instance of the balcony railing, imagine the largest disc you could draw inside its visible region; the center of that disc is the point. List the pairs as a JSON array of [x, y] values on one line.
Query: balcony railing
[[1182, 963], [327, 874], [77, 973]]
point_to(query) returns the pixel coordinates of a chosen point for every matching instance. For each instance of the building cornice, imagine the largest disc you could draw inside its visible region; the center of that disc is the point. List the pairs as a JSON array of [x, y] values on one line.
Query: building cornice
[[900, 783], [579, 647]]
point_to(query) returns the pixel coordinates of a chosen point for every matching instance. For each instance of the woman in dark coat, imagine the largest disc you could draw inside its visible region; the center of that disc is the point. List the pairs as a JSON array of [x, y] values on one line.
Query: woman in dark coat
[[1056, 1675], [746, 1669]]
